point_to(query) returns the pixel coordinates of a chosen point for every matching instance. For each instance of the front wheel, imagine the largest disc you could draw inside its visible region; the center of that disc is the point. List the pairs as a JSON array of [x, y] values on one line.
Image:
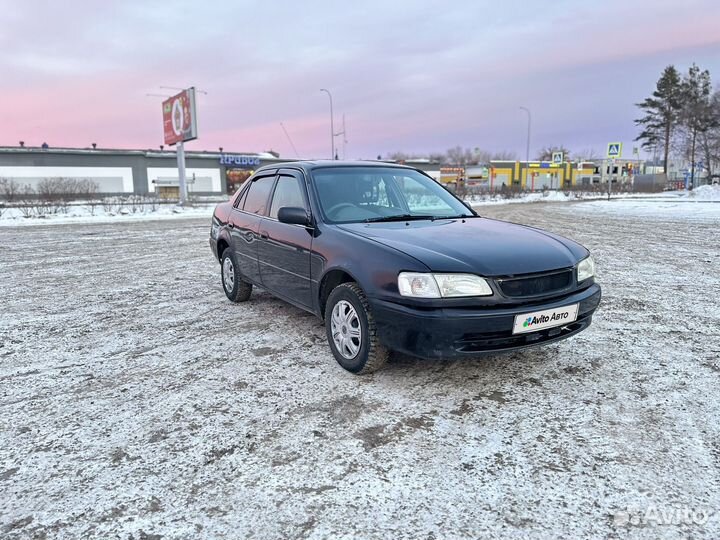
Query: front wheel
[[235, 288], [351, 330]]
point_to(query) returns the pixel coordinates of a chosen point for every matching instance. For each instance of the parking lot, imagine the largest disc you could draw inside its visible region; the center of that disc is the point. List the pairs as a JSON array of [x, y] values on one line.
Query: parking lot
[[137, 402]]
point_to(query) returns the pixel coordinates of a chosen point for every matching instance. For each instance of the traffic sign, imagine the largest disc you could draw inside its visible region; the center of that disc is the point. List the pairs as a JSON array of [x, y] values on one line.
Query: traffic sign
[[614, 150], [557, 157]]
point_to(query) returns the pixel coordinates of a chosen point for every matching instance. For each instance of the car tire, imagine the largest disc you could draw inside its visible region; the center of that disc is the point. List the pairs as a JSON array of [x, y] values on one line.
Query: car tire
[[352, 334], [235, 288]]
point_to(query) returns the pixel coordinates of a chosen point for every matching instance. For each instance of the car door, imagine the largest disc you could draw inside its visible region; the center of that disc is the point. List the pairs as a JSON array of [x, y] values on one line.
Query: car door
[[244, 224], [284, 249]]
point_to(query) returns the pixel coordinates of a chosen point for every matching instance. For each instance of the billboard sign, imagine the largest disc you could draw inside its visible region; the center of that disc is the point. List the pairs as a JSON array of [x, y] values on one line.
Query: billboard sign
[[179, 118]]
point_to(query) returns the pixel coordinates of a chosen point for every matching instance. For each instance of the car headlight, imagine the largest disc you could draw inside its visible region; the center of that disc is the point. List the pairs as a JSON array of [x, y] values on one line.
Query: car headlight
[[585, 269], [426, 285]]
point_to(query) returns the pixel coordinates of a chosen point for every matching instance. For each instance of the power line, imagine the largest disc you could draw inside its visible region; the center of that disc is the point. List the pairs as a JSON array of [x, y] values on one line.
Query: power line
[[289, 140]]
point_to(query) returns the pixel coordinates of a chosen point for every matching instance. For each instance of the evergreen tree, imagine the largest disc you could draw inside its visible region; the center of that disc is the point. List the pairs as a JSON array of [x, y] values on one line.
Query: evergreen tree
[[696, 117], [661, 112], [710, 139]]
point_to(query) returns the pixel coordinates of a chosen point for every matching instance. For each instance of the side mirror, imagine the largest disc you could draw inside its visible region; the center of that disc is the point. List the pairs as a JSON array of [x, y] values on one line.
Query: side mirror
[[294, 215]]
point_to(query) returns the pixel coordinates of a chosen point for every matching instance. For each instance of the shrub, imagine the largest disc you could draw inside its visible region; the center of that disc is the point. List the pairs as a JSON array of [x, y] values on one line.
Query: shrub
[[9, 189]]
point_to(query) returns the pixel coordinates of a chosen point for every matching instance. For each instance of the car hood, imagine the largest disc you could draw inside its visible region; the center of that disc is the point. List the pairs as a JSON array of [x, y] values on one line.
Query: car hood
[[478, 245]]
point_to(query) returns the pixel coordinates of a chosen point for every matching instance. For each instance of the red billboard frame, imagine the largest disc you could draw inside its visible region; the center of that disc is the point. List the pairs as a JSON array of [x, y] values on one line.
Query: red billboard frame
[[179, 117]]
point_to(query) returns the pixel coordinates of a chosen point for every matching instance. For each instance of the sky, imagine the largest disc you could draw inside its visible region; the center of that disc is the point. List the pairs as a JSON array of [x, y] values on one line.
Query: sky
[[412, 76]]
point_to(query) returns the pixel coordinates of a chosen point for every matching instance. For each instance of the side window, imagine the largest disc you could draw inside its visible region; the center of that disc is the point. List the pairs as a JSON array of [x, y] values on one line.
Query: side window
[[288, 192], [240, 199], [258, 193]]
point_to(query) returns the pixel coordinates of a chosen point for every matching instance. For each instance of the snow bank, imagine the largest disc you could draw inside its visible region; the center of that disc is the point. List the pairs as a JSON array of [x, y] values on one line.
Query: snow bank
[[553, 196], [13, 217], [706, 193], [655, 208], [701, 194]]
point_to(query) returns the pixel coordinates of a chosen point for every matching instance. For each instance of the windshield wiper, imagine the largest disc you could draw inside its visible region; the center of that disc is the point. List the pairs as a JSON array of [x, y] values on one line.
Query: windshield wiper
[[398, 217], [459, 216]]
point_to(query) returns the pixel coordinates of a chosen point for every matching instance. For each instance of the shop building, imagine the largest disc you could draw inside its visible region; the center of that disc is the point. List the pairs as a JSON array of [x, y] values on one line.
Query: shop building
[[126, 172]]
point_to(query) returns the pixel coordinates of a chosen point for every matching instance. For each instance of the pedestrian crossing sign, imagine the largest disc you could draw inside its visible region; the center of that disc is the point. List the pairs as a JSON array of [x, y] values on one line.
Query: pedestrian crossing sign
[[614, 150]]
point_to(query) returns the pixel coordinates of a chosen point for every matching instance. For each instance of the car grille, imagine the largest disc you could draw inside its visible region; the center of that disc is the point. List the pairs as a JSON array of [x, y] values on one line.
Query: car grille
[[536, 285]]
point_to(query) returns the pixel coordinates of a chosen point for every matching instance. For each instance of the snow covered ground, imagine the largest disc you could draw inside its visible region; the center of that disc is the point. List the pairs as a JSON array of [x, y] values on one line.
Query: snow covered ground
[[703, 193], [13, 217], [137, 402]]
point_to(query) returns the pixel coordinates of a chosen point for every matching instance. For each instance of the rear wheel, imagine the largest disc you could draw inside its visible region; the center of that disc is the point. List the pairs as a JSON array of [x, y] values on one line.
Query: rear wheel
[[351, 330], [235, 288]]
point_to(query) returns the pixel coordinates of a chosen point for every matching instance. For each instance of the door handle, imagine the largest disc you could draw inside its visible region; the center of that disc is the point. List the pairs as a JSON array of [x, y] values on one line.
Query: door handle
[[264, 235], [231, 225]]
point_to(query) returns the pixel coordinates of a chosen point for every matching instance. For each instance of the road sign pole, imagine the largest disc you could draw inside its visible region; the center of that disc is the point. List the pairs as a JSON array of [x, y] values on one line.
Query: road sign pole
[[181, 173], [614, 151]]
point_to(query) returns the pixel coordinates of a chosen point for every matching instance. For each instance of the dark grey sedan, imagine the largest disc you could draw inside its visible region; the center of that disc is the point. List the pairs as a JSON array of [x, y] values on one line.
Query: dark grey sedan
[[390, 260]]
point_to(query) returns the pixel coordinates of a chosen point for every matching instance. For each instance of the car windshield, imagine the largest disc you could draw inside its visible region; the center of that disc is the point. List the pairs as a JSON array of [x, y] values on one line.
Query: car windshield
[[359, 194]]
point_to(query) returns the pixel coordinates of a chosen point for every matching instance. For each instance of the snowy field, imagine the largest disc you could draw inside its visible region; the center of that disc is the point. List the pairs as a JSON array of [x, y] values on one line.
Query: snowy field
[[137, 402]]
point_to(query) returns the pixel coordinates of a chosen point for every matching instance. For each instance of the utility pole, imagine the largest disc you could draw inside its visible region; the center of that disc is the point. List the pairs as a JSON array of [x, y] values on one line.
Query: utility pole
[[527, 147], [182, 181], [343, 134], [611, 168]]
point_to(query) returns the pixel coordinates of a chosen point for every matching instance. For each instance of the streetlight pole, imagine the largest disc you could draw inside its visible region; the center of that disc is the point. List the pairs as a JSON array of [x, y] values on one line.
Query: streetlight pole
[[332, 126], [527, 147]]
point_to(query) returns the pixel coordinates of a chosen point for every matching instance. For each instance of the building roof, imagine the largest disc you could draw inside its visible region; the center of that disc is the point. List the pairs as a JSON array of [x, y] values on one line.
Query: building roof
[[265, 156]]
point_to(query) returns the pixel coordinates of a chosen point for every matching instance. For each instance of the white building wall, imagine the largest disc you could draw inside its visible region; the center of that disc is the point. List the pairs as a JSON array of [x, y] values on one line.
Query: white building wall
[[205, 179], [108, 179]]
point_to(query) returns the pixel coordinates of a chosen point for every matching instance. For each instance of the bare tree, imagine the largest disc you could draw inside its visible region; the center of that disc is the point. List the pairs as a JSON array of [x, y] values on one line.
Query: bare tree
[[504, 155], [56, 193], [586, 154], [27, 201], [547, 152], [397, 156], [457, 156], [88, 190], [9, 189], [460, 156]]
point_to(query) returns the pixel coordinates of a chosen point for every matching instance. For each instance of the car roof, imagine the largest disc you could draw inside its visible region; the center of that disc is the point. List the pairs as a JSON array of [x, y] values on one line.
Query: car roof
[[310, 165]]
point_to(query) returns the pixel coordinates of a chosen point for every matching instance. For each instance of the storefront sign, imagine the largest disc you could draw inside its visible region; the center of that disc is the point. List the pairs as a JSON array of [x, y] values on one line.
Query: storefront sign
[[239, 161]]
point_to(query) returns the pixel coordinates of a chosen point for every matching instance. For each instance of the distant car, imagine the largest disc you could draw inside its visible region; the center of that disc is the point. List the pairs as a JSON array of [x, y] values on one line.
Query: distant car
[[391, 261]]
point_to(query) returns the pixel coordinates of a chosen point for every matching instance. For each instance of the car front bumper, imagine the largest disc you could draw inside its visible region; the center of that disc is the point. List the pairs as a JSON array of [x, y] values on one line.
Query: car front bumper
[[457, 332]]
